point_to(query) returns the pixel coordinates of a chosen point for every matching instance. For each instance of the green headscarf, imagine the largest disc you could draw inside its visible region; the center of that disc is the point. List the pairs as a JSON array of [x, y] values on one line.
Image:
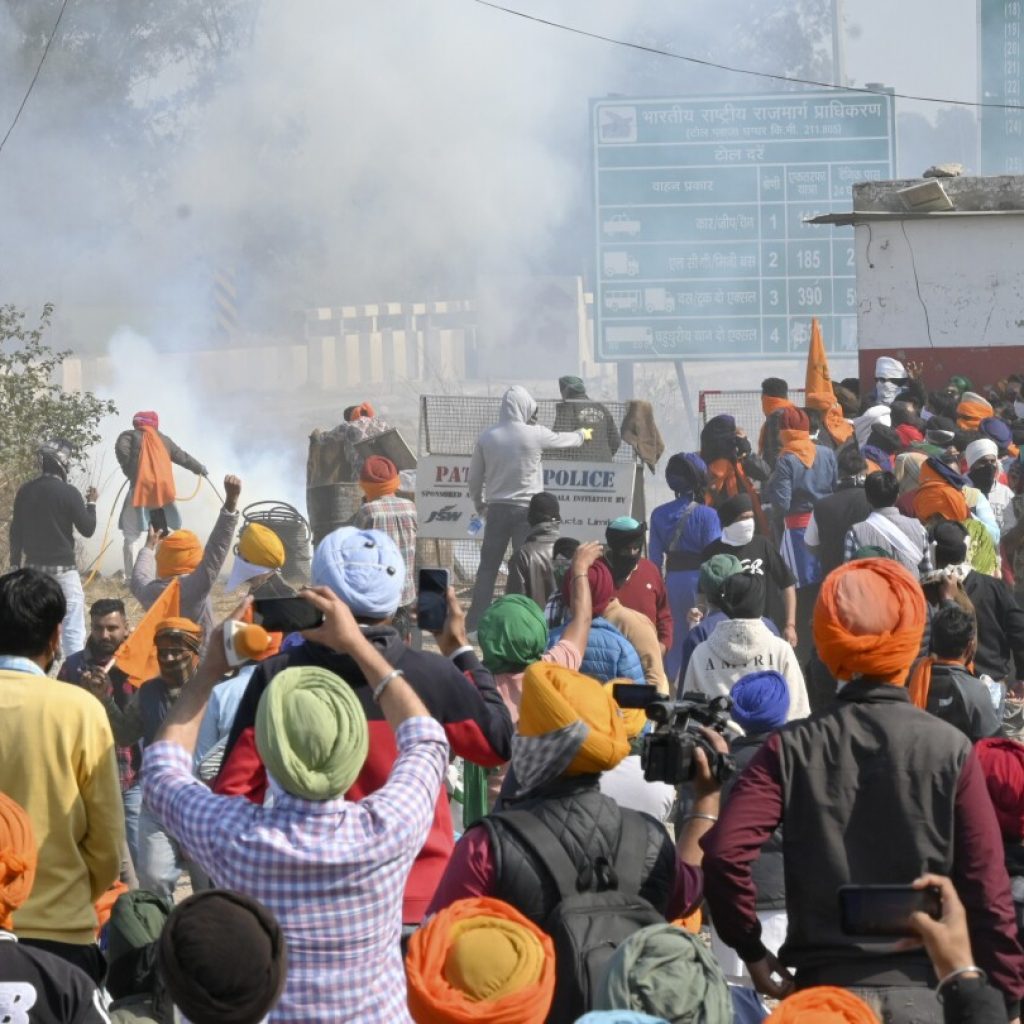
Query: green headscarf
[[572, 387], [714, 572], [311, 733], [982, 553], [513, 633], [962, 384], [666, 972]]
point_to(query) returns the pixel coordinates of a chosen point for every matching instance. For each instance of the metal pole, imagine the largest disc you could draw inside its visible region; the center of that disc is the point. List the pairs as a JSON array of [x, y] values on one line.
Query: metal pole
[[684, 389], [838, 44]]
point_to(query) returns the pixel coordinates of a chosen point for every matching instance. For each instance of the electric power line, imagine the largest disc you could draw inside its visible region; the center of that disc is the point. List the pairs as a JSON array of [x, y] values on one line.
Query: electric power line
[[736, 71], [31, 85]]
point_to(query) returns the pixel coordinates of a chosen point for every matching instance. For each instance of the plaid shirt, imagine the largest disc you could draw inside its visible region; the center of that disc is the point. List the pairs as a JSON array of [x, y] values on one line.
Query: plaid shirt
[[332, 871], [397, 518]]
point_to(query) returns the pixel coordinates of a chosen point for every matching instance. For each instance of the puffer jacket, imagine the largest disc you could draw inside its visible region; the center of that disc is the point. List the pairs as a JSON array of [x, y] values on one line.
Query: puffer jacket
[[738, 647], [609, 655]]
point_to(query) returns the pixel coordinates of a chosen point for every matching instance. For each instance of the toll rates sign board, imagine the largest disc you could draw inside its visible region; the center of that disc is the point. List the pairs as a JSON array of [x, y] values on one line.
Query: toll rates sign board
[[702, 249]]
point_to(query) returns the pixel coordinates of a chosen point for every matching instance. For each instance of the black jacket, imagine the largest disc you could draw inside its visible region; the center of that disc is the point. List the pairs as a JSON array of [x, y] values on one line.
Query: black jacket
[[46, 513], [530, 571], [588, 825], [834, 515], [1000, 625], [962, 700], [578, 413], [51, 990]]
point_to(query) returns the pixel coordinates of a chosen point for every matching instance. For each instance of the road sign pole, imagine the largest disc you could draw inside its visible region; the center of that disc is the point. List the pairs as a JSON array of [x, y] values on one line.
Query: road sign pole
[[838, 44], [684, 389], [625, 370]]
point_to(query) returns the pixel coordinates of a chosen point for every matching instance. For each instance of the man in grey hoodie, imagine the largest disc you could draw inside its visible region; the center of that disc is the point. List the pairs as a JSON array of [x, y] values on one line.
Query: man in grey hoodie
[[504, 474]]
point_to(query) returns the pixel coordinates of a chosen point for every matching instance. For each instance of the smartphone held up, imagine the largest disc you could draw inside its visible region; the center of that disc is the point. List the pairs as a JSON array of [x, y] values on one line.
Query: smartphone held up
[[432, 600]]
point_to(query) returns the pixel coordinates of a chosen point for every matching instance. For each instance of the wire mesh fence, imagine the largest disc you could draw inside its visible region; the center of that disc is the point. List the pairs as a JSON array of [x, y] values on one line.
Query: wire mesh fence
[[745, 406]]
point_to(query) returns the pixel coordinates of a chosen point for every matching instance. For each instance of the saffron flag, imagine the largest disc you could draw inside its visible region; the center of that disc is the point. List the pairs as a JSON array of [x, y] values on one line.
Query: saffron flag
[[136, 657], [818, 381]]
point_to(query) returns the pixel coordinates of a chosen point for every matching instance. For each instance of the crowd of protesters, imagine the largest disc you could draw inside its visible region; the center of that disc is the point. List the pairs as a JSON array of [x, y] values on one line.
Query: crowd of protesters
[[473, 829]]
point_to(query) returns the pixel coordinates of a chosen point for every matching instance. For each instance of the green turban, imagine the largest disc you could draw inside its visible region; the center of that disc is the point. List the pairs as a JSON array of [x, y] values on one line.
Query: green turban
[[311, 733], [714, 572], [572, 387], [513, 633], [669, 973]]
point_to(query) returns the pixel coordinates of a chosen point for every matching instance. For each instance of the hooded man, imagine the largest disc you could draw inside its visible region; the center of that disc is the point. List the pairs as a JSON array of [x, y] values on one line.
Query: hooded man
[[180, 556], [757, 554], [680, 530], [179, 641], [331, 868], [577, 410], [870, 749], [145, 456], [638, 582], [891, 378], [47, 511], [504, 474], [530, 570], [742, 644], [364, 569]]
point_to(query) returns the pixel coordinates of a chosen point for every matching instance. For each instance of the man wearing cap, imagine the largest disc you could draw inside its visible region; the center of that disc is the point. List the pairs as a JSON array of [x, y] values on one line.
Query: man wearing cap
[[145, 456], [383, 510], [577, 410], [891, 378], [180, 556], [757, 554], [869, 790], [504, 474], [330, 866], [178, 642], [47, 511], [530, 570], [364, 569], [638, 583]]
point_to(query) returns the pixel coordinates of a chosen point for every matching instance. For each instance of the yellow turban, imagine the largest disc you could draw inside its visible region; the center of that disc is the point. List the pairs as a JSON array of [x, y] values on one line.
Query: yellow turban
[[480, 961], [178, 554], [554, 698], [259, 545], [17, 858], [634, 719]]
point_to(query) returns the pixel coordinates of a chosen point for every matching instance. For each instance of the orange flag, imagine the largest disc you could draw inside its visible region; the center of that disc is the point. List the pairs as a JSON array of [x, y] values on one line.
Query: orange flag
[[136, 657], [818, 381]]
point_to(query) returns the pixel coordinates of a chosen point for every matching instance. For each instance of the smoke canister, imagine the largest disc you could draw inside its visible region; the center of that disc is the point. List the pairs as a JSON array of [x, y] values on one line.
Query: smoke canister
[[244, 641]]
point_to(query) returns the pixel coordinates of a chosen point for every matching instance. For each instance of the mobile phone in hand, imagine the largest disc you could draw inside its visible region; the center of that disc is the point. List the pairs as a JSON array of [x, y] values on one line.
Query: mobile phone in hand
[[280, 609], [432, 600], [158, 520], [885, 910]]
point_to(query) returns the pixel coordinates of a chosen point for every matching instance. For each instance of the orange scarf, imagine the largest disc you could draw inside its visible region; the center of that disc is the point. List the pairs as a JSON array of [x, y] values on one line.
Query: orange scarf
[[936, 497], [969, 413], [154, 481], [836, 424], [798, 443], [770, 404], [17, 858]]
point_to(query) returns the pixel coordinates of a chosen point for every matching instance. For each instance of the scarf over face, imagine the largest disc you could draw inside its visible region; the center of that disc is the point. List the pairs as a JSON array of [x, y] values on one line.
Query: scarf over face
[[868, 621], [17, 859], [311, 733], [479, 961]]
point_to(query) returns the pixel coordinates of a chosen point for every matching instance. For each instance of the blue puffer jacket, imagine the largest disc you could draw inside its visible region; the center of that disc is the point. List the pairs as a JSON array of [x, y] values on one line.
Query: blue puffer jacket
[[609, 655]]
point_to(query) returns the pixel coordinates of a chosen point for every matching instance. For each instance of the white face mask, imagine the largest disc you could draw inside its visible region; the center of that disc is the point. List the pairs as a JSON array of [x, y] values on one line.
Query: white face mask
[[887, 391], [739, 533]]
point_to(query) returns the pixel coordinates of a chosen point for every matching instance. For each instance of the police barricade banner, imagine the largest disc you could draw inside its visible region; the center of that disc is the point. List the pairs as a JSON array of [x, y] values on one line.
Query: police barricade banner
[[590, 494]]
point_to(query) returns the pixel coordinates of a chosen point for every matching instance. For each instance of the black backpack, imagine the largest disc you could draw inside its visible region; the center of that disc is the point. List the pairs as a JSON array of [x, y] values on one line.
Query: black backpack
[[599, 907]]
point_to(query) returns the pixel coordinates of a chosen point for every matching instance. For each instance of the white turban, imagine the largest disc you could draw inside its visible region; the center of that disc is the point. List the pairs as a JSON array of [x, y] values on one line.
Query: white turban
[[887, 368], [979, 449], [862, 424]]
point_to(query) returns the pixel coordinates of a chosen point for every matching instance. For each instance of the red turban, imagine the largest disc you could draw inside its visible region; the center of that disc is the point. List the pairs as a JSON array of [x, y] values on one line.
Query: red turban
[[378, 477], [792, 418], [1002, 761], [358, 412], [602, 587], [869, 619], [146, 419]]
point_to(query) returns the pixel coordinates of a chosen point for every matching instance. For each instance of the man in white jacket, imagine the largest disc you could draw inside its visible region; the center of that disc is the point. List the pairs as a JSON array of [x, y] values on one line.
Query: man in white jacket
[[504, 474], [743, 644]]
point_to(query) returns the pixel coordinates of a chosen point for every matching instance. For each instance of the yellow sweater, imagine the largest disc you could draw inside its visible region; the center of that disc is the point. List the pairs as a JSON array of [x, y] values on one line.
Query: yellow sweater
[[57, 760]]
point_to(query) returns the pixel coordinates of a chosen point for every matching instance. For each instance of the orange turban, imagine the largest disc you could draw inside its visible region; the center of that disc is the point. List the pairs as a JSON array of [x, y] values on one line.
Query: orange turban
[[554, 698], [480, 960], [178, 554], [17, 858], [869, 620], [378, 477], [937, 497], [823, 1005], [972, 410], [358, 412], [193, 632]]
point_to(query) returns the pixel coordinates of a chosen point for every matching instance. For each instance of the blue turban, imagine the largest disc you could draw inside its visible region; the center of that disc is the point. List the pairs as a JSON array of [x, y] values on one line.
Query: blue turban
[[881, 459], [364, 568], [997, 430], [687, 474], [760, 702]]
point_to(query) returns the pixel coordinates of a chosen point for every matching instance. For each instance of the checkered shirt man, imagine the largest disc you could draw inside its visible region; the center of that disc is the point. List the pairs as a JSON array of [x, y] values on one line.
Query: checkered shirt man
[[397, 518]]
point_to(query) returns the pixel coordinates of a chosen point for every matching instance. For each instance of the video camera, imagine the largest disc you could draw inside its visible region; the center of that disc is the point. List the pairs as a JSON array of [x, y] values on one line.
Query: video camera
[[667, 754]]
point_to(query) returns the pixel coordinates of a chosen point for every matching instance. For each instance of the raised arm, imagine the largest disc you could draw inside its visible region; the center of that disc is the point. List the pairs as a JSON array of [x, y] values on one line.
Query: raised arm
[[577, 631]]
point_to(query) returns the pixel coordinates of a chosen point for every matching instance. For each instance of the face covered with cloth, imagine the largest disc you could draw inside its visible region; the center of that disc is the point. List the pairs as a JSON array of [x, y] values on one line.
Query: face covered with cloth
[[568, 725], [868, 621], [178, 642], [480, 961]]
